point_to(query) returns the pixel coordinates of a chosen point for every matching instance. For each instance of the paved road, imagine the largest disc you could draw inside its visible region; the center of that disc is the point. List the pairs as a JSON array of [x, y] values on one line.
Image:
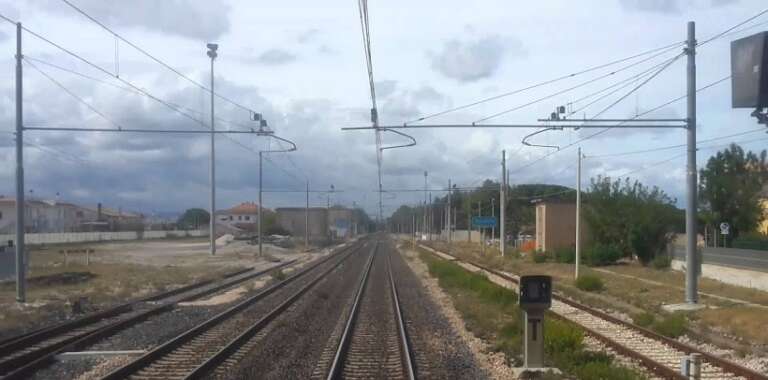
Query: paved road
[[737, 258]]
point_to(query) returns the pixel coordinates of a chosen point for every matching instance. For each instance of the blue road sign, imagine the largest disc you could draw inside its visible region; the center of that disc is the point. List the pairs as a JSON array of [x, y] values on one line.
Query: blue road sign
[[484, 221]]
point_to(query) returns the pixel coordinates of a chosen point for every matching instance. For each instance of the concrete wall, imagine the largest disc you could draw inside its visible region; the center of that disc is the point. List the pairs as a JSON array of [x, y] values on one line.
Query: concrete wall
[[77, 237], [741, 267], [293, 219], [734, 276], [461, 235]]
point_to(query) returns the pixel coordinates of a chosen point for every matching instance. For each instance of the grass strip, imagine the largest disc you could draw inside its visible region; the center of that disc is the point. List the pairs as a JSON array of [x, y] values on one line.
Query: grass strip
[[491, 313]]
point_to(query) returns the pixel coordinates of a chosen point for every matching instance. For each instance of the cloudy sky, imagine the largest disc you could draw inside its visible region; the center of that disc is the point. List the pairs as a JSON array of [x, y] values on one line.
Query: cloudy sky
[[301, 64]]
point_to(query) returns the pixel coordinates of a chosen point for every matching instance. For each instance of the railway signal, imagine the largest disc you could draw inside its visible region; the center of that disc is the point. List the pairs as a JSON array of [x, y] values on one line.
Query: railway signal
[[535, 299]]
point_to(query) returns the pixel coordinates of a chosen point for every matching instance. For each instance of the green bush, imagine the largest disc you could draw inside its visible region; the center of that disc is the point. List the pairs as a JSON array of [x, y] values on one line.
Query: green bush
[[598, 370], [644, 319], [565, 255], [278, 275], [562, 337], [590, 283], [539, 257], [661, 262], [672, 326], [750, 240], [600, 254], [451, 275]]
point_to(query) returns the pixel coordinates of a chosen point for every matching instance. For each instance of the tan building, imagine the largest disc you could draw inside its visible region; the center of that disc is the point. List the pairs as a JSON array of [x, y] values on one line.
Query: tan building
[[556, 225]]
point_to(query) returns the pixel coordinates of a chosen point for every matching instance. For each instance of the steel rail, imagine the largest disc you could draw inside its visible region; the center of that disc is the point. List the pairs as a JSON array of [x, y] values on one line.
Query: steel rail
[[36, 335], [346, 337], [651, 364], [22, 365], [165, 348], [214, 361], [405, 350]]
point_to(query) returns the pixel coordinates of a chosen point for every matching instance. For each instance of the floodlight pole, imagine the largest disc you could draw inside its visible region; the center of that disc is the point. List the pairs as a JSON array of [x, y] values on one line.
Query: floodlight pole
[[21, 265], [691, 257], [212, 224]]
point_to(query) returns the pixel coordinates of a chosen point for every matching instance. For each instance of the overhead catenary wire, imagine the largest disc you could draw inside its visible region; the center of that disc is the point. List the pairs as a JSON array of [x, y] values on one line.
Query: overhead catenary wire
[[75, 96], [605, 109], [671, 101], [579, 85], [127, 89], [155, 59], [107, 72], [726, 31], [664, 49]]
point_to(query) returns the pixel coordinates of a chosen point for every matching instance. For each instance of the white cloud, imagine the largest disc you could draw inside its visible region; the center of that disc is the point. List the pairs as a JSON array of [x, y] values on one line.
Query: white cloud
[[469, 60], [197, 19]]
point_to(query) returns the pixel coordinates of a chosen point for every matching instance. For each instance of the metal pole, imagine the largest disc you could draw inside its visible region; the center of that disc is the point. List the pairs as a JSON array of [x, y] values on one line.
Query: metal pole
[[469, 220], [578, 215], [493, 214], [259, 207], [480, 229], [306, 220], [21, 266], [450, 226], [691, 259], [212, 223], [424, 229], [503, 202], [430, 218]]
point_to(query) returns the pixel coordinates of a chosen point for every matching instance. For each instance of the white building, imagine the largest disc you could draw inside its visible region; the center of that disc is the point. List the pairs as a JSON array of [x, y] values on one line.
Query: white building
[[243, 216]]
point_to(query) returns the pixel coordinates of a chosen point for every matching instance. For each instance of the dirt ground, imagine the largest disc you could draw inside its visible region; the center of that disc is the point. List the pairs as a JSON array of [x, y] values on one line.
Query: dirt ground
[[61, 287]]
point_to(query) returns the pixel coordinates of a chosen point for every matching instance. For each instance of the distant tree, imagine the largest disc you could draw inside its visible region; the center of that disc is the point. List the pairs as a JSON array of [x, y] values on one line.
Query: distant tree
[[730, 187], [193, 218], [631, 217]]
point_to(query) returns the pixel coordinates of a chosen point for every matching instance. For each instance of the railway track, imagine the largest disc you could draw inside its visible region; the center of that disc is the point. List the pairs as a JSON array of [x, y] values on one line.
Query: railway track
[[199, 351], [659, 354], [25, 354], [374, 343]]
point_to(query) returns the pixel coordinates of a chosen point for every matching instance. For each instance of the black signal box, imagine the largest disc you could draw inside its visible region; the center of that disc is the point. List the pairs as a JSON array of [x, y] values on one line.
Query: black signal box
[[535, 292], [749, 76]]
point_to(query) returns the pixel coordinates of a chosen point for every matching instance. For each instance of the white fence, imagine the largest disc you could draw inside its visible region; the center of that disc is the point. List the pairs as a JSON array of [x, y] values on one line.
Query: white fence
[[79, 237]]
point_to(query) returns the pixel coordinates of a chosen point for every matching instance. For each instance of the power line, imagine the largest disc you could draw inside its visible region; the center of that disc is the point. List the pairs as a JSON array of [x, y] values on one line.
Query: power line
[[663, 50], [157, 60]]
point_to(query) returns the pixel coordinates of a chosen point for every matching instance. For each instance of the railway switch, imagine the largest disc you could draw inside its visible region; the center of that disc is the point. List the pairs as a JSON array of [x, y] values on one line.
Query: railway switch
[[535, 299]]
